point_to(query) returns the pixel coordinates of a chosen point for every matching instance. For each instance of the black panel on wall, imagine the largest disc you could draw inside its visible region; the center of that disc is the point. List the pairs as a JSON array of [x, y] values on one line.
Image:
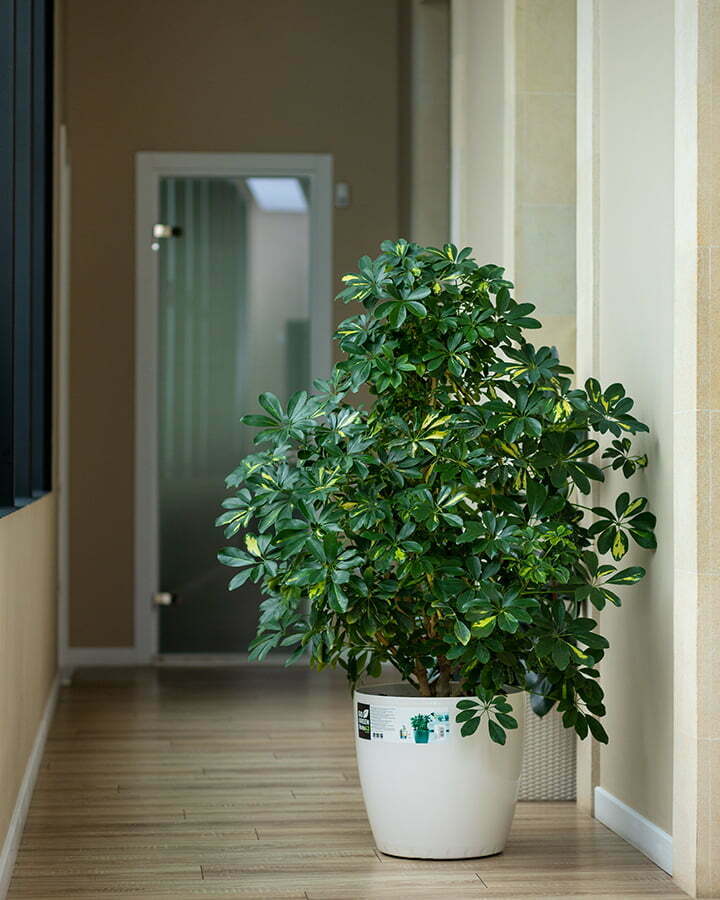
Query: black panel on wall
[[26, 152]]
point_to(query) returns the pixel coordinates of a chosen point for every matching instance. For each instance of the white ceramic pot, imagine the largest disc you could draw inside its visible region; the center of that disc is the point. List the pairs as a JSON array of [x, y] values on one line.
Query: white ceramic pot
[[435, 795]]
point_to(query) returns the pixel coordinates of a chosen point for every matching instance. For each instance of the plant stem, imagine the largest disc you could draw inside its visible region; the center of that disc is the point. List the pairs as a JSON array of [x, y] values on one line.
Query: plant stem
[[421, 675], [442, 686]]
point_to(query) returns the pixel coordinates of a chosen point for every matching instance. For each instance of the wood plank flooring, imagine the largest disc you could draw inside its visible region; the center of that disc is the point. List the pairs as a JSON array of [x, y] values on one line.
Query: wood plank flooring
[[217, 783]]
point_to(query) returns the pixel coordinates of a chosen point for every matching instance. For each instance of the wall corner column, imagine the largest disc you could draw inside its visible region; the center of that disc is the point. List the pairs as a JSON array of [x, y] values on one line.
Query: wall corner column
[[482, 186], [586, 353]]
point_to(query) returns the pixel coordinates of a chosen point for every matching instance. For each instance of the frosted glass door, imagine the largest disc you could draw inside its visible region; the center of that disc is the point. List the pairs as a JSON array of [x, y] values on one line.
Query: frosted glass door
[[233, 322]]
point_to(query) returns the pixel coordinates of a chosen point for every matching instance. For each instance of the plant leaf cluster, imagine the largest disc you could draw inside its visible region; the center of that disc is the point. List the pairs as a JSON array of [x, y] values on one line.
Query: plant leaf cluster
[[443, 528]]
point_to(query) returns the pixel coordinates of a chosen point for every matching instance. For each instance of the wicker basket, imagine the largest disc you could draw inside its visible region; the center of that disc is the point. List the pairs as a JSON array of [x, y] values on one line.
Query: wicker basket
[[548, 771]]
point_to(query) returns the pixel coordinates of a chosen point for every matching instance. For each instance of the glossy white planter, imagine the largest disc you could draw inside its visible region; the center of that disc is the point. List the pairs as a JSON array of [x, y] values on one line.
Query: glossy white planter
[[450, 798]]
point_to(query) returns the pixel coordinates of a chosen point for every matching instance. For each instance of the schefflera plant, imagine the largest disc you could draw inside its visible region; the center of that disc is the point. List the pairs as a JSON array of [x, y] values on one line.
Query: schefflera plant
[[442, 529]]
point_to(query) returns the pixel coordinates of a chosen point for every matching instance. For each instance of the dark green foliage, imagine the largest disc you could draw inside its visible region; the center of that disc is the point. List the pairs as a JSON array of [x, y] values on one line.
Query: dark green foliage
[[441, 529], [420, 722]]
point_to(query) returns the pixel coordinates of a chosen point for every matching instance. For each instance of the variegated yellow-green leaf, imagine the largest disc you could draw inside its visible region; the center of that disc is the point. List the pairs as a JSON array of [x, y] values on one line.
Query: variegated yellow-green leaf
[[583, 449], [592, 387], [252, 545], [635, 506], [619, 544], [510, 449], [562, 410], [434, 420], [627, 576]]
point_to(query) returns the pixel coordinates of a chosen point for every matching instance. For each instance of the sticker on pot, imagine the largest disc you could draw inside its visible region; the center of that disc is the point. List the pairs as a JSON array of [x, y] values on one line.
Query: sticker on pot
[[400, 725]]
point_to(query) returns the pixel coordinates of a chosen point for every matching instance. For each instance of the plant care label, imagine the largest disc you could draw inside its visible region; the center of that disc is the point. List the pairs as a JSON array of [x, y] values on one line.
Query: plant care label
[[402, 725]]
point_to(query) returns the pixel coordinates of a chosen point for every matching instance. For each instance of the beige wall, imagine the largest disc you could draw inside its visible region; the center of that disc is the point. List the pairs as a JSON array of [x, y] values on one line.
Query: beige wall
[[482, 129], [544, 270], [634, 345], [708, 450], [697, 400], [627, 233], [27, 638], [224, 75], [426, 155]]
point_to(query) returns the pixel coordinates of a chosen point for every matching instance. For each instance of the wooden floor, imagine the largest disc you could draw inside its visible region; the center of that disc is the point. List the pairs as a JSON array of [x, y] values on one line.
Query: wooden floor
[[242, 783]]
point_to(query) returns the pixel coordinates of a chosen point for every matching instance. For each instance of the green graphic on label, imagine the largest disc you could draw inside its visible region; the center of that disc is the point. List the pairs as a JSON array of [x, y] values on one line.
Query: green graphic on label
[[400, 725]]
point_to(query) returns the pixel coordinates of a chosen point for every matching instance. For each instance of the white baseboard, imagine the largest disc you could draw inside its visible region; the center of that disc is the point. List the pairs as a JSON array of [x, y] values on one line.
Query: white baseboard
[[216, 660], [655, 843], [75, 657], [27, 785], [71, 657]]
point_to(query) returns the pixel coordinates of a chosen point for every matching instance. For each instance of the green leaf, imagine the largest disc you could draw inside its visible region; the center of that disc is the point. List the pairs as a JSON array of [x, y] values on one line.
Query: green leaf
[[470, 727], [645, 539], [621, 504], [497, 733], [418, 294], [231, 556], [536, 495], [605, 540], [271, 404], [462, 632], [258, 421], [417, 309], [597, 730], [561, 654], [238, 580], [467, 704]]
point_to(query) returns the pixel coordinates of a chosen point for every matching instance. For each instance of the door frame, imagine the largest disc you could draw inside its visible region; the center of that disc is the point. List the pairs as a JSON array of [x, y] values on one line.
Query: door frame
[[150, 167]]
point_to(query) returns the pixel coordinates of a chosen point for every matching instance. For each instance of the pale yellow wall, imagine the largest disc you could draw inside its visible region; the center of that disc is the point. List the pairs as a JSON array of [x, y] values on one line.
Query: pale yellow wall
[[223, 75], [426, 157], [482, 128], [27, 638], [544, 270], [697, 591], [635, 146]]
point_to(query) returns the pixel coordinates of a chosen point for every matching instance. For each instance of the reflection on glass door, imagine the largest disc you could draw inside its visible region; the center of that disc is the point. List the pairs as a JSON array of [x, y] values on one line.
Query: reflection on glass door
[[234, 256]]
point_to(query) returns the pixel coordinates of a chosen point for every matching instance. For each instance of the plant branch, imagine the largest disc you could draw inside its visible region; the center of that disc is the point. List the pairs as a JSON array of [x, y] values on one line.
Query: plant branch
[[421, 675]]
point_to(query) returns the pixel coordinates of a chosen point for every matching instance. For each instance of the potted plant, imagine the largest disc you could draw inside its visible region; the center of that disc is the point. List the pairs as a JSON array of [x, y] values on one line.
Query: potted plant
[[441, 530], [420, 725]]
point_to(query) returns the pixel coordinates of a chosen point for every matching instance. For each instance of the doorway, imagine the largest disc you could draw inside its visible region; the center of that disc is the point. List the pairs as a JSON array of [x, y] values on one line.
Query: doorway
[[233, 268]]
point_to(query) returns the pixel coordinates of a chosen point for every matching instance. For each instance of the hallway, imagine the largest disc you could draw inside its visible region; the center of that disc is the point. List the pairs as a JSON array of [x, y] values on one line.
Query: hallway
[[181, 783]]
